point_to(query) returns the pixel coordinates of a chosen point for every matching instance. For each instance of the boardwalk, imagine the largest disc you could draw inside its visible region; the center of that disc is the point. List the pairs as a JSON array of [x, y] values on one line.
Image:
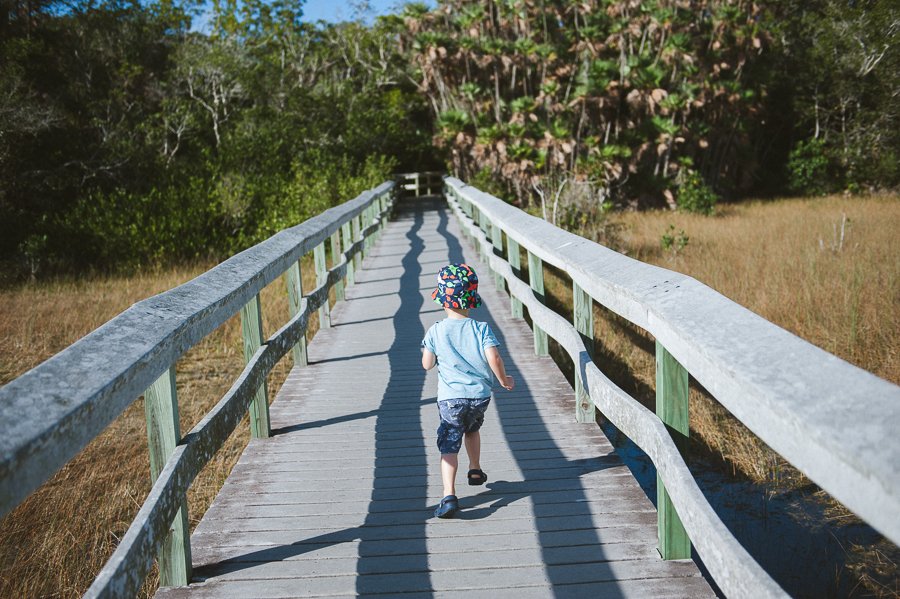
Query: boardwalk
[[338, 502]]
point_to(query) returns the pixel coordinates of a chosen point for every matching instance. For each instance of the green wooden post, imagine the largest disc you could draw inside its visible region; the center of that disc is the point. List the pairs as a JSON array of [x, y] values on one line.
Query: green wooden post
[[294, 284], [335, 260], [383, 209], [515, 262], [348, 241], [251, 328], [321, 277], [583, 317], [366, 222], [476, 216], [672, 409], [536, 280], [357, 259], [163, 434], [497, 241]]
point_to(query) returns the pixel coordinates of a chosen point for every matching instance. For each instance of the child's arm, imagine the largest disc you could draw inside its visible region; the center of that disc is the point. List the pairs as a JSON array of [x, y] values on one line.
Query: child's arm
[[428, 359], [496, 364]]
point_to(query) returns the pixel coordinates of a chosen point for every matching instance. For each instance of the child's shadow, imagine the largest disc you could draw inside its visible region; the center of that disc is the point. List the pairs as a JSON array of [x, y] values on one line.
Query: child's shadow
[[542, 489]]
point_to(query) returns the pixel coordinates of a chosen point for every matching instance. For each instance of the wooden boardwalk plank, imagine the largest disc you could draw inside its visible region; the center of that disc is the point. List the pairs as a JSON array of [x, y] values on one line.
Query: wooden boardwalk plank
[[339, 501]]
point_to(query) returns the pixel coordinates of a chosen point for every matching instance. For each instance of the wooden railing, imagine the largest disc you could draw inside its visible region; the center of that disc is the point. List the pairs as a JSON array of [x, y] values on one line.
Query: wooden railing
[[836, 423], [53, 411], [415, 185]]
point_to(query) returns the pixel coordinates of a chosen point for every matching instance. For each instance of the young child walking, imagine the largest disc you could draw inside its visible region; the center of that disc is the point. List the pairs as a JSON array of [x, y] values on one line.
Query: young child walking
[[465, 351]]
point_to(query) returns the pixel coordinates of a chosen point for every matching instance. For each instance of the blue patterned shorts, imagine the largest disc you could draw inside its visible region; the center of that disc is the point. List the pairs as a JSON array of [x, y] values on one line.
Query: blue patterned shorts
[[459, 416]]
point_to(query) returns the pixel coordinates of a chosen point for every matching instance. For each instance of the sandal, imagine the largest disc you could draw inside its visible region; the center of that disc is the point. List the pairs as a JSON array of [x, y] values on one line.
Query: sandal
[[447, 507], [476, 477]]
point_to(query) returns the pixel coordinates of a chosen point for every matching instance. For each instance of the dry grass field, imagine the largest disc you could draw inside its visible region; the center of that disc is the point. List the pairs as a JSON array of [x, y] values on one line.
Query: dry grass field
[[783, 260], [826, 269], [54, 544]]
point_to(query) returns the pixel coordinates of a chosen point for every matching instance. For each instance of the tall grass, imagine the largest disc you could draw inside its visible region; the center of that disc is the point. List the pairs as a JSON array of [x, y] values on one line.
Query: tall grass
[[826, 269], [781, 259], [54, 543]]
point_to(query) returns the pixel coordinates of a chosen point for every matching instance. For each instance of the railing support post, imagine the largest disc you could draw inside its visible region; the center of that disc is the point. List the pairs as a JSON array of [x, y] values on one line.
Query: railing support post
[[497, 241], [294, 284], [251, 328], [321, 277], [366, 223], [163, 434], [515, 262], [536, 280], [357, 258], [672, 409], [335, 260], [583, 317], [348, 241]]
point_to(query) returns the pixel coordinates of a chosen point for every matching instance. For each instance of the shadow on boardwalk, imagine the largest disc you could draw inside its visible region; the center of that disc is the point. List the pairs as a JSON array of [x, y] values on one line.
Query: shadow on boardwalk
[[395, 536]]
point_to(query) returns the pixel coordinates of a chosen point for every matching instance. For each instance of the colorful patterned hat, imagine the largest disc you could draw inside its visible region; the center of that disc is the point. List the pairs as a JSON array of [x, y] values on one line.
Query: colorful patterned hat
[[457, 287]]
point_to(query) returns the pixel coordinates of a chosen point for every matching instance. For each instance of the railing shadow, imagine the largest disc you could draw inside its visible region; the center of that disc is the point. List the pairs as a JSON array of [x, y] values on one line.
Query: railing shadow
[[546, 506], [403, 357]]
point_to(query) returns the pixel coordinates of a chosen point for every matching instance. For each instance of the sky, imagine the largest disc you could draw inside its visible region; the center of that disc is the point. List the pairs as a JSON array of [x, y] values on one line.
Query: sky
[[332, 11]]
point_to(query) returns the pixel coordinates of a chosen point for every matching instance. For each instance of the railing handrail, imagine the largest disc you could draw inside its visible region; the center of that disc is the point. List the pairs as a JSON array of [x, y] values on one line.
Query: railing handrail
[[51, 412], [797, 398]]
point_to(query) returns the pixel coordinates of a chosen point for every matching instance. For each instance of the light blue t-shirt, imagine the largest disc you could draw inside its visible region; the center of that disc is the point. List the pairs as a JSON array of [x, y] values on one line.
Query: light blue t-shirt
[[459, 345]]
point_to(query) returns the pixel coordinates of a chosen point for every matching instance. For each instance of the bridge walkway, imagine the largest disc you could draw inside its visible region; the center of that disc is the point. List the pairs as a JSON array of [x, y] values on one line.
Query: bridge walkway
[[339, 501]]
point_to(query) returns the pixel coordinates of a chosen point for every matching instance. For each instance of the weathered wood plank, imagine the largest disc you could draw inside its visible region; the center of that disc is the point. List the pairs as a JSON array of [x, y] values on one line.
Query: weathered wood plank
[[672, 409], [796, 397], [293, 281], [251, 330], [583, 316], [163, 434], [515, 262], [321, 276], [536, 280], [83, 388], [340, 498]]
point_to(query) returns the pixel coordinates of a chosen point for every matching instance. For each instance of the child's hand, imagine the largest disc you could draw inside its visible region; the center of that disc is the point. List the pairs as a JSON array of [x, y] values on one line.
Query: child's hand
[[509, 383]]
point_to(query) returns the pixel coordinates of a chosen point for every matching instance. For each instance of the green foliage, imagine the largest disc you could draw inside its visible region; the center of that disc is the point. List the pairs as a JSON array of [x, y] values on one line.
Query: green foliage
[[126, 140], [808, 168], [673, 242], [694, 195]]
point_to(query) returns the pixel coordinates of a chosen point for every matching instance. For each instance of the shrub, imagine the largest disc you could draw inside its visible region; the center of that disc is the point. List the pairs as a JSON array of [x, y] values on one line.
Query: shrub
[[694, 195], [808, 168]]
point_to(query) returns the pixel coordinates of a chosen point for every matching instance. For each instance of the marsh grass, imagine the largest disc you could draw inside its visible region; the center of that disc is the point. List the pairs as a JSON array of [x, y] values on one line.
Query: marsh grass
[[826, 269], [55, 543], [783, 260]]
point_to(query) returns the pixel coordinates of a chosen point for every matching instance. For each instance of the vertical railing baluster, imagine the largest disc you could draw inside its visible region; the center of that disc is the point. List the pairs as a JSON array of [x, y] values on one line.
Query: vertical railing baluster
[[321, 277], [515, 262], [366, 223], [347, 238], [672, 409], [357, 258], [294, 283], [583, 317], [476, 216], [536, 280], [336, 260], [163, 434], [251, 329], [497, 241]]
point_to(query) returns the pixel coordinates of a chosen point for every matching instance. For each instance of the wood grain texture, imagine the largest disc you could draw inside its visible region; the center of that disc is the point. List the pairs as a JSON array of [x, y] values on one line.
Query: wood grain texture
[[799, 399], [339, 500], [51, 412], [163, 434], [736, 573]]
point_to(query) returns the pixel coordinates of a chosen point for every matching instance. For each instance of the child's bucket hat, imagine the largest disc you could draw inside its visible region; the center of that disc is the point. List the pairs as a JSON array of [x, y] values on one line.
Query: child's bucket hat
[[457, 287]]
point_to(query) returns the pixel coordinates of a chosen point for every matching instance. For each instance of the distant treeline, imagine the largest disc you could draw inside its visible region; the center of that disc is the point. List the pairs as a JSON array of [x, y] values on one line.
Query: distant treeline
[[126, 139]]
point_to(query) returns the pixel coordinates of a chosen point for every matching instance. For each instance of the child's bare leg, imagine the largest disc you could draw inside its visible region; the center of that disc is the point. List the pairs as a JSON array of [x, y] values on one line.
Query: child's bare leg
[[473, 449], [449, 465]]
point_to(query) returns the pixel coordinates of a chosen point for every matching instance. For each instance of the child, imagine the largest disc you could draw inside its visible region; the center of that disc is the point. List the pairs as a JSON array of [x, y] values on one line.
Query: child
[[465, 352]]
